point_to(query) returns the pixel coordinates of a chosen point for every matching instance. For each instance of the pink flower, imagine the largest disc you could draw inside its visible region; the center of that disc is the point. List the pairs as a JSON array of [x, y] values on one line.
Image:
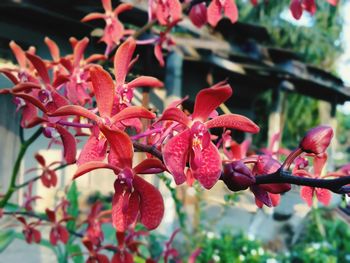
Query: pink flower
[[104, 90], [217, 7], [94, 223], [29, 198], [134, 197], [58, 231], [30, 233], [114, 29], [307, 193], [194, 144], [165, 11]]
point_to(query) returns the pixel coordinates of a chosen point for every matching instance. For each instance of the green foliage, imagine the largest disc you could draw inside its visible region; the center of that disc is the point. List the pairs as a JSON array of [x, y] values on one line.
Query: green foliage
[[232, 248], [316, 247], [73, 208], [316, 43], [6, 237]]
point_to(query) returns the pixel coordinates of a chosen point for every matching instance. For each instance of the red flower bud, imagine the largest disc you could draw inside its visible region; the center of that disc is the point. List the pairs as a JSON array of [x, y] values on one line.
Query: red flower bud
[[317, 140], [237, 176]]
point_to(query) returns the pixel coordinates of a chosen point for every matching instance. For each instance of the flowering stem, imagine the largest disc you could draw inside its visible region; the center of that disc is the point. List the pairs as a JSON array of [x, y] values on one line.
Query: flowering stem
[[24, 146], [146, 133]]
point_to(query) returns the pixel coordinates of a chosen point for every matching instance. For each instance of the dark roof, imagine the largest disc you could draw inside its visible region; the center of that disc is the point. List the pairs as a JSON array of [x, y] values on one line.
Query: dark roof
[[243, 55]]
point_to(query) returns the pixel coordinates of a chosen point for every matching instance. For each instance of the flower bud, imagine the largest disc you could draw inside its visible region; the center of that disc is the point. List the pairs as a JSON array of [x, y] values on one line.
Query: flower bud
[[237, 176], [317, 140]]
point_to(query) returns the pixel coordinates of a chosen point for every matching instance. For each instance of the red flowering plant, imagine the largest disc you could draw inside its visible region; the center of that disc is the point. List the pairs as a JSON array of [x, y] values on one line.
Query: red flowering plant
[[77, 103]]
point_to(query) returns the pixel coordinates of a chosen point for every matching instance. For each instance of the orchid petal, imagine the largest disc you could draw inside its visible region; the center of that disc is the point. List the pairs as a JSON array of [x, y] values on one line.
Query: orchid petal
[[209, 99], [121, 145], [307, 194], [69, 144], [103, 86], [276, 188], [32, 100], [74, 110], [54, 50], [145, 81], [59, 80], [175, 10], [25, 86], [122, 8], [50, 215], [231, 11], [147, 164], [159, 54], [208, 173], [30, 116], [90, 166], [40, 67], [125, 207], [40, 159], [122, 60], [78, 52], [175, 114], [132, 112], [233, 121], [323, 195], [107, 5], [151, 203], [175, 155], [214, 12], [319, 163], [63, 233], [8, 74], [261, 196], [19, 54], [92, 151]]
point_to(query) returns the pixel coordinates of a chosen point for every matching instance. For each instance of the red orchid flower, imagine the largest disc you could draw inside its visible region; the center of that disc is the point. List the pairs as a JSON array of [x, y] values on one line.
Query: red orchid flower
[[165, 11], [29, 198], [165, 41], [94, 252], [30, 233], [94, 221], [48, 175], [77, 88], [298, 6], [114, 29], [237, 151], [194, 143], [25, 71], [307, 193], [104, 90], [58, 231], [216, 7], [123, 61], [45, 97], [134, 197]]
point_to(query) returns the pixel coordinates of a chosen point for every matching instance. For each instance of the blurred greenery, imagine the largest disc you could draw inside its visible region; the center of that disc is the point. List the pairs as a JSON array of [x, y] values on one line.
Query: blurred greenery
[[317, 41]]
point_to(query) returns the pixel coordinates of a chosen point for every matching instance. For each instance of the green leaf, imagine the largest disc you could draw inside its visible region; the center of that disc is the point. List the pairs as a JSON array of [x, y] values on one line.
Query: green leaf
[[75, 253], [73, 209], [6, 237]]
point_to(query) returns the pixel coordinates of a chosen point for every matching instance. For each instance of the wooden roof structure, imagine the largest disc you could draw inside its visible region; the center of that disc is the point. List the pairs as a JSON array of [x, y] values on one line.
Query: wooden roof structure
[[239, 52]]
